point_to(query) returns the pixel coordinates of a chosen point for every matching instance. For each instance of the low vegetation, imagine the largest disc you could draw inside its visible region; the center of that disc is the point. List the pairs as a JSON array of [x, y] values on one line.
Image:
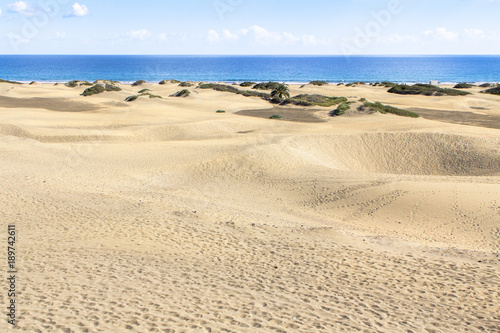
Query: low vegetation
[[310, 100], [390, 109], [318, 83], [266, 86], [11, 82], [182, 93], [111, 87], [248, 84], [138, 83], [234, 90], [95, 89], [276, 116], [143, 91], [162, 82], [341, 109], [220, 111], [100, 88], [486, 85], [426, 89], [464, 86], [131, 98], [493, 91], [186, 84]]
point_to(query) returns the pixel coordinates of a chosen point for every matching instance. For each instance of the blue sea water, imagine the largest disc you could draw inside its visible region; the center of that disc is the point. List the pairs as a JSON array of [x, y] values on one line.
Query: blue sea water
[[58, 68]]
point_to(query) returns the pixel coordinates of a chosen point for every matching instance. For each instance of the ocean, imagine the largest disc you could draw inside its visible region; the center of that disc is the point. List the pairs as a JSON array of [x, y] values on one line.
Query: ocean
[[291, 69]]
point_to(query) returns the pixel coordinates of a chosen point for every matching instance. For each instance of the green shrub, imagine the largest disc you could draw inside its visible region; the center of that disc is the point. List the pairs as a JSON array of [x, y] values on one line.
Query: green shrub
[[163, 82], [493, 91], [143, 91], [131, 98], [388, 84], [219, 87], [32, 83], [151, 95], [309, 100], [138, 83], [175, 81], [95, 89], [341, 109], [182, 93], [463, 86], [390, 109], [486, 85], [425, 89], [220, 111], [72, 84], [340, 84], [318, 83], [186, 84], [247, 84], [11, 82], [275, 116], [111, 87], [362, 100], [266, 86], [351, 84], [87, 83]]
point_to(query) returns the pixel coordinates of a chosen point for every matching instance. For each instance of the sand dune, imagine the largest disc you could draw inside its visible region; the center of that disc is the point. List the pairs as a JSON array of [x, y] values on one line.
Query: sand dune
[[164, 216]]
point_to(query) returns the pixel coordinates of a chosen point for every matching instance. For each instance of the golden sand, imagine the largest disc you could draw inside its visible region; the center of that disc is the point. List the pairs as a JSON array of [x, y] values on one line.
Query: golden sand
[[161, 215]]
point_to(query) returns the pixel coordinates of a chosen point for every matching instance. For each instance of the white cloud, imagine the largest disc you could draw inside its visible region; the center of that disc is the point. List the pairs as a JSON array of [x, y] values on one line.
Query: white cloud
[[261, 35], [79, 10], [229, 35], [442, 34], [141, 34], [475, 34], [18, 6], [162, 37], [213, 36]]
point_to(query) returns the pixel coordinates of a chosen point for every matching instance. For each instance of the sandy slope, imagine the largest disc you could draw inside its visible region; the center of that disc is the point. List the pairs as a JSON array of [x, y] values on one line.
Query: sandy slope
[[161, 215]]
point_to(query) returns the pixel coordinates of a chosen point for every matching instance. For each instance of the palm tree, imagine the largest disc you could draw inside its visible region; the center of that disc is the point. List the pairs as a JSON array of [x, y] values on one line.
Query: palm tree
[[281, 92]]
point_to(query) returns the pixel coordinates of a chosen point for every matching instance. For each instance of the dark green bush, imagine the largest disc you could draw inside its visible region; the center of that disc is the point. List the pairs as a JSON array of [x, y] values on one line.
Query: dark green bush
[[219, 87], [11, 82], [266, 86], [186, 84], [143, 91], [72, 84], [390, 109], [463, 86], [425, 89], [275, 116], [220, 111], [138, 83], [247, 84], [341, 109], [486, 85], [111, 87], [388, 84], [163, 82], [95, 89], [318, 83], [131, 98], [151, 95], [493, 91], [309, 100], [182, 93]]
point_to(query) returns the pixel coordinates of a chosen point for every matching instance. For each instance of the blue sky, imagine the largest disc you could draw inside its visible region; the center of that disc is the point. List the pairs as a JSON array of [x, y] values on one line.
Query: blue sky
[[322, 27]]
